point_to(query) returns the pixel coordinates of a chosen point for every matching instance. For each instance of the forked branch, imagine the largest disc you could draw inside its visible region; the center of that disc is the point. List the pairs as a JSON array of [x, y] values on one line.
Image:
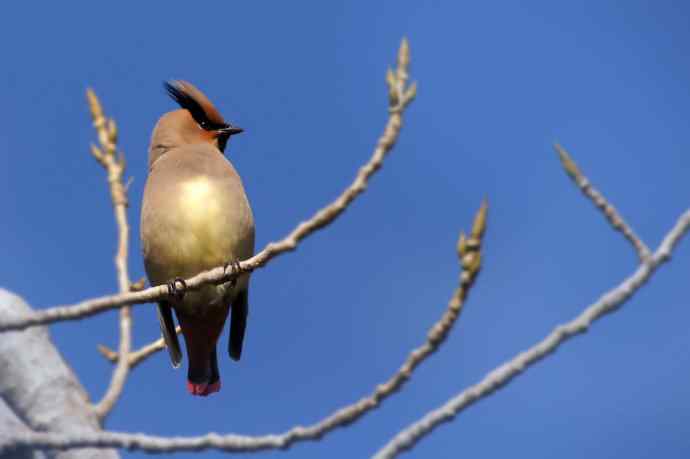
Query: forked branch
[[114, 164]]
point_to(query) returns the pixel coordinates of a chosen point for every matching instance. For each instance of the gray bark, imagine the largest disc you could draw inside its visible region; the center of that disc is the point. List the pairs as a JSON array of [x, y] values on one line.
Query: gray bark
[[11, 425], [39, 388]]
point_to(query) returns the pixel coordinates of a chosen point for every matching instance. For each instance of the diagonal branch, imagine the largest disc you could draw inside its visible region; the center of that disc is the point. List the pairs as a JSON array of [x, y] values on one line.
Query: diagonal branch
[[400, 97], [502, 375], [469, 252], [601, 203], [114, 165], [138, 356]]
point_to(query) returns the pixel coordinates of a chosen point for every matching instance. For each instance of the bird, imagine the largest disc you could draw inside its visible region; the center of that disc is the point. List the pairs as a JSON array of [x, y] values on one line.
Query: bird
[[195, 216]]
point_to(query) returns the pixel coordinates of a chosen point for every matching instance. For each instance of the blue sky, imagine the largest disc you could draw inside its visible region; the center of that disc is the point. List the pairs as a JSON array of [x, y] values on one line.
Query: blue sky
[[499, 82]]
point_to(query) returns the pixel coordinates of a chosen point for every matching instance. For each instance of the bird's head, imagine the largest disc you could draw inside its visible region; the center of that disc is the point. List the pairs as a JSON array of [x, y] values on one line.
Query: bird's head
[[196, 121]]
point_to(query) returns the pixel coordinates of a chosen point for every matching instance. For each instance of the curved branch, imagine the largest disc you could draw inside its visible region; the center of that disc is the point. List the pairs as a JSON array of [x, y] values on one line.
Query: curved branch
[[469, 252], [138, 356], [400, 97], [502, 375]]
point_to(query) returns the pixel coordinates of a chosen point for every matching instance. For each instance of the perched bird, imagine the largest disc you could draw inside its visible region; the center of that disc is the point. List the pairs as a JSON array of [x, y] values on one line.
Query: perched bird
[[195, 216]]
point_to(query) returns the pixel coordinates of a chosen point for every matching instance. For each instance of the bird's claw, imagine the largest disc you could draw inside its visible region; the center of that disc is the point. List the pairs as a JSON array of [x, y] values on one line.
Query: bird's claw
[[175, 291], [235, 264]]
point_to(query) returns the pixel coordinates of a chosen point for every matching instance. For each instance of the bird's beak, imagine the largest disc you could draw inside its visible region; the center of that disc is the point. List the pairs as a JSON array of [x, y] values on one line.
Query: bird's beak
[[231, 130]]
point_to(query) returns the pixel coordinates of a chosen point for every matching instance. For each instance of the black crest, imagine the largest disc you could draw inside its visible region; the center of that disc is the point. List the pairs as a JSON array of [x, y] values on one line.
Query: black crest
[[191, 99]]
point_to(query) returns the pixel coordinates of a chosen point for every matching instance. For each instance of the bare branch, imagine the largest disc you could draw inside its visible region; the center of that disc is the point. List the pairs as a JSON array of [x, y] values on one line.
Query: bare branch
[[502, 375], [136, 357], [601, 203], [222, 274], [92, 306], [114, 164], [469, 253], [119, 376], [142, 353]]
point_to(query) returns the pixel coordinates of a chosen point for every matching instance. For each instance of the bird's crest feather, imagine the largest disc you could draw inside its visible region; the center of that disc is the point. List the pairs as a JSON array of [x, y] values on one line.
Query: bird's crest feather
[[198, 105]]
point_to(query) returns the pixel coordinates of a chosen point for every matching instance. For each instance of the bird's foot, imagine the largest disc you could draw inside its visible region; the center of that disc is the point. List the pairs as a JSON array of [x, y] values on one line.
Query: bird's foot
[[177, 288], [235, 264]]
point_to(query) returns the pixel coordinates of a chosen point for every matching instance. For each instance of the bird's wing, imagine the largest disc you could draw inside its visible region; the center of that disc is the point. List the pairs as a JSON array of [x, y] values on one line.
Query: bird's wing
[[238, 324], [169, 336]]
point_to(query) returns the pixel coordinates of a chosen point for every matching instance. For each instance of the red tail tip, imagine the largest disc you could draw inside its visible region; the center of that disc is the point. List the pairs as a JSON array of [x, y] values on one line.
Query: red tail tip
[[203, 389]]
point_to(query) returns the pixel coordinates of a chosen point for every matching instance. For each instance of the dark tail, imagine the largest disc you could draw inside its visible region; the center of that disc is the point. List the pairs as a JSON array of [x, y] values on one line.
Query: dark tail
[[169, 335], [201, 334], [205, 381], [238, 324]]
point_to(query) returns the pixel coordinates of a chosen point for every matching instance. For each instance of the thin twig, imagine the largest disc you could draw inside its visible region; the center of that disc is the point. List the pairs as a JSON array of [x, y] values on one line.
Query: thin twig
[[138, 356], [401, 97], [601, 203], [469, 253], [502, 375], [114, 164]]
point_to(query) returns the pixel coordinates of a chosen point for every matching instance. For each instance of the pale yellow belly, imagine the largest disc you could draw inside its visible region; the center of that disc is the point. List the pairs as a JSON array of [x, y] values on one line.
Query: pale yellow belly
[[199, 231], [204, 240]]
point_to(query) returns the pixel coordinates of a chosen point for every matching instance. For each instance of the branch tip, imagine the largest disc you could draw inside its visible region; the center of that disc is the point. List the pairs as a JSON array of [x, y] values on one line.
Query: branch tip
[[479, 225], [107, 353], [568, 164], [600, 202], [94, 105], [404, 54]]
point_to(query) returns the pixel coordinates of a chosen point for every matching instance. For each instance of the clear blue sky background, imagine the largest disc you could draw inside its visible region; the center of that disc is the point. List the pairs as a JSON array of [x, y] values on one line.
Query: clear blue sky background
[[499, 82]]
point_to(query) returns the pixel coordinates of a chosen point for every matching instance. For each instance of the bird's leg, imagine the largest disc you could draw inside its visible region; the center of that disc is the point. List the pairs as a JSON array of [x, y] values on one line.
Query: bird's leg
[[174, 291], [235, 264]]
